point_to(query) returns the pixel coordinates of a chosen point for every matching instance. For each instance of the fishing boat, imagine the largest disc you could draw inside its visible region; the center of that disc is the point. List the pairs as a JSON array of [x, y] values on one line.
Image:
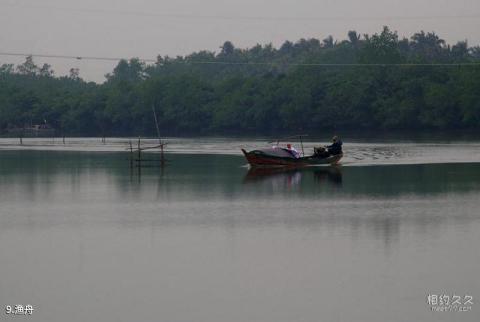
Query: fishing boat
[[283, 158], [278, 156]]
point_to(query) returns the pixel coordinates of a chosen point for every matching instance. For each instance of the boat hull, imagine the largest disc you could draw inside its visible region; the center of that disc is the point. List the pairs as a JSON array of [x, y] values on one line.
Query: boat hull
[[257, 158]]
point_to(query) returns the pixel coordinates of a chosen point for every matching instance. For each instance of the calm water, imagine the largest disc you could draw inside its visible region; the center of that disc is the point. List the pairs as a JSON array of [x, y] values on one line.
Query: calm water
[[204, 239]]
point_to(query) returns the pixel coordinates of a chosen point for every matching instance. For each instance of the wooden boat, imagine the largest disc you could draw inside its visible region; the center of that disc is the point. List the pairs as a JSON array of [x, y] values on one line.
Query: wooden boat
[[282, 157]]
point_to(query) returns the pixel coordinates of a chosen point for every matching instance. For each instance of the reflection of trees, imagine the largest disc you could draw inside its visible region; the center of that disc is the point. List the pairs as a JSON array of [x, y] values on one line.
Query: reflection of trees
[[36, 174], [218, 176], [214, 190]]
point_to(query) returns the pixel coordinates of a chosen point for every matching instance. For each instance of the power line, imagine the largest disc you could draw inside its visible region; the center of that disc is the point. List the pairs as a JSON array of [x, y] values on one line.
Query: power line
[[234, 17], [70, 57], [199, 62]]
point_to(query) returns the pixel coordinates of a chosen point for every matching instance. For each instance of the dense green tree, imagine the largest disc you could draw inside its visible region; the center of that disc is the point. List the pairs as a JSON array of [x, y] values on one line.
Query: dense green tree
[[28, 67], [427, 47], [301, 86], [382, 48]]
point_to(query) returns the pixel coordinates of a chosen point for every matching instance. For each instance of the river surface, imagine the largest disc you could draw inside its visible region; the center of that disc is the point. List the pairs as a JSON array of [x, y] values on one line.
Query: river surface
[[85, 238]]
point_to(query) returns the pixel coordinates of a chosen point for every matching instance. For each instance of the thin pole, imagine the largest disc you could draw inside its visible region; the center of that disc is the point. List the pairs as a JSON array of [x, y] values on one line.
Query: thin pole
[[301, 143], [156, 124], [139, 153], [131, 154], [162, 157], [139, 161]]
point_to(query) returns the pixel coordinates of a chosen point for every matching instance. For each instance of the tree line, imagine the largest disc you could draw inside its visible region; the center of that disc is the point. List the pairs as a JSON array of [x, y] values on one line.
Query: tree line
[[365, 82]]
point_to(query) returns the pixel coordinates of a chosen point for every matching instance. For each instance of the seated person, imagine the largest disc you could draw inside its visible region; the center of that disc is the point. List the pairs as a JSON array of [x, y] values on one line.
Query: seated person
[[336, 147], [293, 151]]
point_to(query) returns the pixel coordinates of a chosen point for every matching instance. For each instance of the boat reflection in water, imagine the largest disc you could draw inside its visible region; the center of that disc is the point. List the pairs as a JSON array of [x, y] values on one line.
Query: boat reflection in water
[[331, 175], [287, 177]]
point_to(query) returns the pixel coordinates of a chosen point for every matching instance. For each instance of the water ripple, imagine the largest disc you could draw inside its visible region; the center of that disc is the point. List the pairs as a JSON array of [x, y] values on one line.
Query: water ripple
[[355, 153]]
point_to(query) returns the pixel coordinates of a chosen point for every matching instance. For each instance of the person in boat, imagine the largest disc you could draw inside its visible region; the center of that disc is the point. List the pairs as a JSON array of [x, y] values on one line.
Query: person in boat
[[336, 147], [293, 151]]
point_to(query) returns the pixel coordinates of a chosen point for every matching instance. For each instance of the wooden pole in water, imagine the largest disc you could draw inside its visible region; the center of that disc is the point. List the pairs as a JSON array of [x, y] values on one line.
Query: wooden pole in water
[[301, 143], [162, 159], [131, 154], [21, 140], [156, 124], [139, 161], [139, 153]]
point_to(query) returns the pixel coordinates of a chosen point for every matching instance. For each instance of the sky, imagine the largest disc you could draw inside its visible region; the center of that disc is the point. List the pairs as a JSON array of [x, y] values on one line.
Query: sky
[[147, 28]]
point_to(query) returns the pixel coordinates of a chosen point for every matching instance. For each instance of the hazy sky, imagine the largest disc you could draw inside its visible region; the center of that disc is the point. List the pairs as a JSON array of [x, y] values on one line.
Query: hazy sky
[[146, 28]]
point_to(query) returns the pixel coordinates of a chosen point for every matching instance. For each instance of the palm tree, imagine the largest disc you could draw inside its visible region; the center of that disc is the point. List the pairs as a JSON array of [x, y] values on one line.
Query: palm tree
[[354, 38], [428, 45], [329, 42], [460, 50]]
